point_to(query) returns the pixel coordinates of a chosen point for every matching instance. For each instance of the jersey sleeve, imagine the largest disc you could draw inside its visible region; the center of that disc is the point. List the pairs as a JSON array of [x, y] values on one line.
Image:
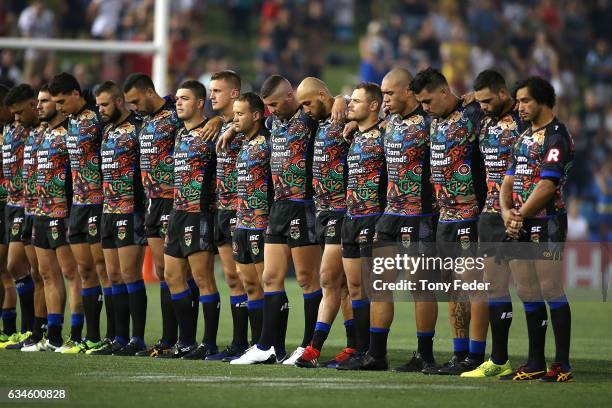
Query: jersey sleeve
[[555, 155]]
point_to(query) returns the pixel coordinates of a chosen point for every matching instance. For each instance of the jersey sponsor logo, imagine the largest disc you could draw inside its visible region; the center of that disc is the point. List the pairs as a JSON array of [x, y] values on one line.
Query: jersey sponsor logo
[[553, 156]]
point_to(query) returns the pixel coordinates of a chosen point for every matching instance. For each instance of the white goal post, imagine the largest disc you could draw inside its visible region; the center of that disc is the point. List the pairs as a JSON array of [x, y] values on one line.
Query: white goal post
[[158, 47]]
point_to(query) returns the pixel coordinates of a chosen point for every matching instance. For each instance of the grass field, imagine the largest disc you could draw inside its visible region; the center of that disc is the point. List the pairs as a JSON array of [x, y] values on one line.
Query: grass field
[[114, 381]]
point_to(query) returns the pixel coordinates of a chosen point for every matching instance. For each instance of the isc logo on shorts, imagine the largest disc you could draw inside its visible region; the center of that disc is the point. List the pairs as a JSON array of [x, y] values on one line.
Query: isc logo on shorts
[[53, 223], [406, 229], [464, 231], [122, 223], [164, 217], [233, 220], [254, 237], [189, 228], [295, 222], [93, 219]]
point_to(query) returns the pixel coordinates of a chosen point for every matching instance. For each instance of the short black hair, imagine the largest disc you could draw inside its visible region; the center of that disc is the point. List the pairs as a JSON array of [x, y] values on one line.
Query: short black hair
[[139, 81], [228, 75], [372, 91], [198, 89], [270, 85], [20, 93], [109, 87], [539, 89], [489, 79], [429, 79], [44, 88], [254, 101], [3, 91], [64, 83]]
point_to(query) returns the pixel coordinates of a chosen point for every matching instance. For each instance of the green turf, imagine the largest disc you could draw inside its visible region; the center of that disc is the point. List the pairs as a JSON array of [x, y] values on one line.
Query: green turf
[[115, 381]]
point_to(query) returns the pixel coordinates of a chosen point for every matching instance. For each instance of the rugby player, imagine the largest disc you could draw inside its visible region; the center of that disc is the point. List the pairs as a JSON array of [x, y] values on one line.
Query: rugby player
[[458, 177], [224, 90], [122, 219], [255, 195], [189, 241], [329, 171], [499, 131], [291, 229], [533, 211], [24, 106], [50, 229], [83, 144]]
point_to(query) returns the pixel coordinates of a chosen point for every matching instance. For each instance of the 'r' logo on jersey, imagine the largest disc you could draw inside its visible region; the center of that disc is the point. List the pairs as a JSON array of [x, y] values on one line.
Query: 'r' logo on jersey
[[553, 156]]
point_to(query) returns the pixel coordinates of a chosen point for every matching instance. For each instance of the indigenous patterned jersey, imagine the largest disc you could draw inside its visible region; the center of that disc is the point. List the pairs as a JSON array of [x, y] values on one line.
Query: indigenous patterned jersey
[[123, 191], [255, 193], [329, 169], [30, 194], [83, 143], [409, 189], [456, 163], [156, 148], [292, 143], [367, 174], [12, 162], [544, 153], [497, 137], [194, 171], [3, 192], [226, 172], [54, 178]]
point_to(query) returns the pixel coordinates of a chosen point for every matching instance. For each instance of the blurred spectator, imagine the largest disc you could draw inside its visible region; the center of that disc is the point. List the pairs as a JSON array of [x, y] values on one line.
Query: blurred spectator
[[105, 16], [10, 75], [35, 21], [577, 225], [376, 53]]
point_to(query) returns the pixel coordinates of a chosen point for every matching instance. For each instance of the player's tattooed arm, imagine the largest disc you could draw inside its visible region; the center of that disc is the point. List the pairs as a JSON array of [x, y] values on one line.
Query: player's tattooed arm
[[225, 139], [339, 109], [349, 130], [212, 128], [539, 198]]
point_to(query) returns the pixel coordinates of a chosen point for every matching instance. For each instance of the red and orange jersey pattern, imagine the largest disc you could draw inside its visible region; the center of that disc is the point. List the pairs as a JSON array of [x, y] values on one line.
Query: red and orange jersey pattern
[[30, 193], [123, 192], [292, 144], [226, 172], [367, 173], [455, 162], [3, 192], [13, 145], [83, 143], [194, 171], [54, 178], [156, 140], [545, 153], [497, 138]]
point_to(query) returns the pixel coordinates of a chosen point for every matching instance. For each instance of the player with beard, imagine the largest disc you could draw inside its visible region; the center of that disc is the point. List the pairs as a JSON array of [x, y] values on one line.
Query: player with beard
[[122, 219], [329, 172], [224, 90], [500, 129]]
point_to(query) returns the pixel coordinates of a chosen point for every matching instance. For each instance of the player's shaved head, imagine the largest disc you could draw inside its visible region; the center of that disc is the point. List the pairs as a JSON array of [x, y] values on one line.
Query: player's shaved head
[[399, 76], [312, 85], [277, 93]]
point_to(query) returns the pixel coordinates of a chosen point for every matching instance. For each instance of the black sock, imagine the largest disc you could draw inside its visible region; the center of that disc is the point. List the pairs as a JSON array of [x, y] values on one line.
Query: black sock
[[425, 345], [561, 318], [9, 321], [378, 342], [169, 321], [271, 315], [110, 313], [211, 306], [137, 296], [25, 290], [281, 328], [92, 306], [39, 329], [349, 327], [240, 320], [182, 304], [361, 315], [77, 321], [54, 329], [311, 309], [536, 329], [255, 309], [121, 307], [500, 318], [195, 302], [320, 335]]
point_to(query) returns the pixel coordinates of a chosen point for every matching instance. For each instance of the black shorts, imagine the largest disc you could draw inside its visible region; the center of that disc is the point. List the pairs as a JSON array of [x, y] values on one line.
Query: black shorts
[[248, 245], [491, 232], [26, 231], [545, 238], [328, 227], [292, 223], [189, 233], [416, 234], [49, 233], [14, 218], [157, 217], [121, 230], [84, 225], [457, 239], [358, 236], [225, 223], [3, 234]]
